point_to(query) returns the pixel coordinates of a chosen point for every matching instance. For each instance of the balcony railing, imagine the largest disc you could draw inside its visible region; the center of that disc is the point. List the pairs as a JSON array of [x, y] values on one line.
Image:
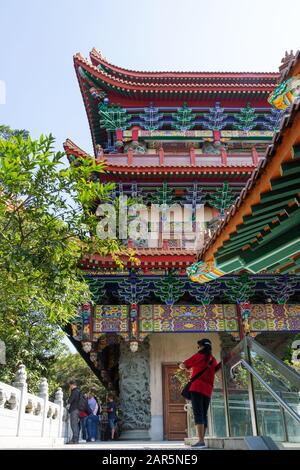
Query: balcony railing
[[192, 158]]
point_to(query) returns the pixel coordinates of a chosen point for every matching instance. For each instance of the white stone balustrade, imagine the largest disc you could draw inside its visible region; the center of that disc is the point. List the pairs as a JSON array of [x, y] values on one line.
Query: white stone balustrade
[[26, 416]]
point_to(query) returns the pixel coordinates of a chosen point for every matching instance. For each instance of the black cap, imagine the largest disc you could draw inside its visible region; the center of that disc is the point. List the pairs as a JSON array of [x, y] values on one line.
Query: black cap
[[204, 342]]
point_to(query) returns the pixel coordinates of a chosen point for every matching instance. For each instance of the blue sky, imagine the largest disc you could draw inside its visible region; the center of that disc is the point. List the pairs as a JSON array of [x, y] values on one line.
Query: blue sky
[[39, 37]]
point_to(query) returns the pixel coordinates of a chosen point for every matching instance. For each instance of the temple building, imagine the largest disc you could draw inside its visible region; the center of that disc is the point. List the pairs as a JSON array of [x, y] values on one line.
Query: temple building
[[195, 139]]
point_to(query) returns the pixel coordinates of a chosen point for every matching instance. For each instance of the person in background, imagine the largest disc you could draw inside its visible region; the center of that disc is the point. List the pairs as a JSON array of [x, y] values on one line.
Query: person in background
[[201, 389], [82, 419], [111, 415], [92, 420], [73, 403]]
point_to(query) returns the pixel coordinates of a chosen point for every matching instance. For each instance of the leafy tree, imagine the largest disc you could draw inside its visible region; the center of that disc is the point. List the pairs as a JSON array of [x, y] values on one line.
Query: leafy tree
[[72, 366], [6, 132], [47, 224], [31, 340]]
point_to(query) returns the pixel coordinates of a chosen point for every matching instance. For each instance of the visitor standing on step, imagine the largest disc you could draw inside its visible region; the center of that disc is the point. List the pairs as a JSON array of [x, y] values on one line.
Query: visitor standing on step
[[74, 411], [111, 415], [92, 421], [202, 387]]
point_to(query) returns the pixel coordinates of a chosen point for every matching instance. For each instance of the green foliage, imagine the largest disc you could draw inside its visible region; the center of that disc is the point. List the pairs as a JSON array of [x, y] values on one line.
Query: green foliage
[[6, 132], [47, 223], [32, 341], [291, 358], [72, 366]]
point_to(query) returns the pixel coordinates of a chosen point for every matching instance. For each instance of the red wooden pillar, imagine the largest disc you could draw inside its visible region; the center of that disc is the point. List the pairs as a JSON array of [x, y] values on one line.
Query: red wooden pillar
[[135, 134], [130, 157], [165, 244], [130, 244], [254, 156], [119, 135], [217, 135], [240, 321], [224, 157], [192, 156], [161, 155]]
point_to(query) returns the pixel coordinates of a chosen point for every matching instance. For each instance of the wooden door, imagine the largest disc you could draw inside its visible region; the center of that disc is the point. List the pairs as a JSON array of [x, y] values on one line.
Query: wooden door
[[175, 418]]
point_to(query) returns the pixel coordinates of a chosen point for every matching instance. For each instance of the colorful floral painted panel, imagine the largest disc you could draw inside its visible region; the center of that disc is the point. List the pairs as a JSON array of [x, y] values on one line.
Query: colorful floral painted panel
[[273, 317], [183, 318], [110, 318]]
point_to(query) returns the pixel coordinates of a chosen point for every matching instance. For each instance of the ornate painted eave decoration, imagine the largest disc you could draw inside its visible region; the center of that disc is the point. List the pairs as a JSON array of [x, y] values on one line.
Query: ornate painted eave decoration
[[261, 231], [288, 90], [286, 93]]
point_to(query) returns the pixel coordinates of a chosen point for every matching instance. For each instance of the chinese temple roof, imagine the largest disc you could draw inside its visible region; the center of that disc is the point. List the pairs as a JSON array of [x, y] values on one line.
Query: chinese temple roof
[[98, 61], [99, 80], [261, 231], [149, 258]]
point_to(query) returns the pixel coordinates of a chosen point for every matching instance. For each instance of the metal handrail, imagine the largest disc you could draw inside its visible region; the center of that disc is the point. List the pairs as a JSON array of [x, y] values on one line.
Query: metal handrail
[[282, 403]]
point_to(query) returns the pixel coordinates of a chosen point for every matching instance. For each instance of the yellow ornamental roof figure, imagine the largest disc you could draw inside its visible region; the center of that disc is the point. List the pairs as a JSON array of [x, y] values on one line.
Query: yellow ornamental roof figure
[[203, 272], [285, 94]]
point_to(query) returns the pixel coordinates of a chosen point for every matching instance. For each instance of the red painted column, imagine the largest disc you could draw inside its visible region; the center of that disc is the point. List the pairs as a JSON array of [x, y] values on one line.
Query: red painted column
[[192, 156], [130, 244], [224, 157], [130, 157], [217, 135], [165, 244], [254, 156], [135, 134], [161, 155], [119, 135], [240, 321]]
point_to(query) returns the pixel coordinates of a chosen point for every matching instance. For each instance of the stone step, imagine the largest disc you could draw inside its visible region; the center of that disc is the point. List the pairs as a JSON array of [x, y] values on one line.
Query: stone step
[[238, 443]]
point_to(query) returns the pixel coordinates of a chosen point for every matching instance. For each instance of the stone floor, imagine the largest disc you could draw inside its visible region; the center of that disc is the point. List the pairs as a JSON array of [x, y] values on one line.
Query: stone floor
[[128, 445]]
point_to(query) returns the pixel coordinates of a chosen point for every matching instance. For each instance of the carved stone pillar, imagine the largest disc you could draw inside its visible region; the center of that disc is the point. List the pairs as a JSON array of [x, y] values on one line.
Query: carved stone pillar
[[44, 394], [20, 382], [134, 383], [59, 400]]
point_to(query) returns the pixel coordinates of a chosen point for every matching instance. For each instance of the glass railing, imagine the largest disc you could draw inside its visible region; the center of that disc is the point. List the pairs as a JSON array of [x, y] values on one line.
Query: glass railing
[[260, 396]]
